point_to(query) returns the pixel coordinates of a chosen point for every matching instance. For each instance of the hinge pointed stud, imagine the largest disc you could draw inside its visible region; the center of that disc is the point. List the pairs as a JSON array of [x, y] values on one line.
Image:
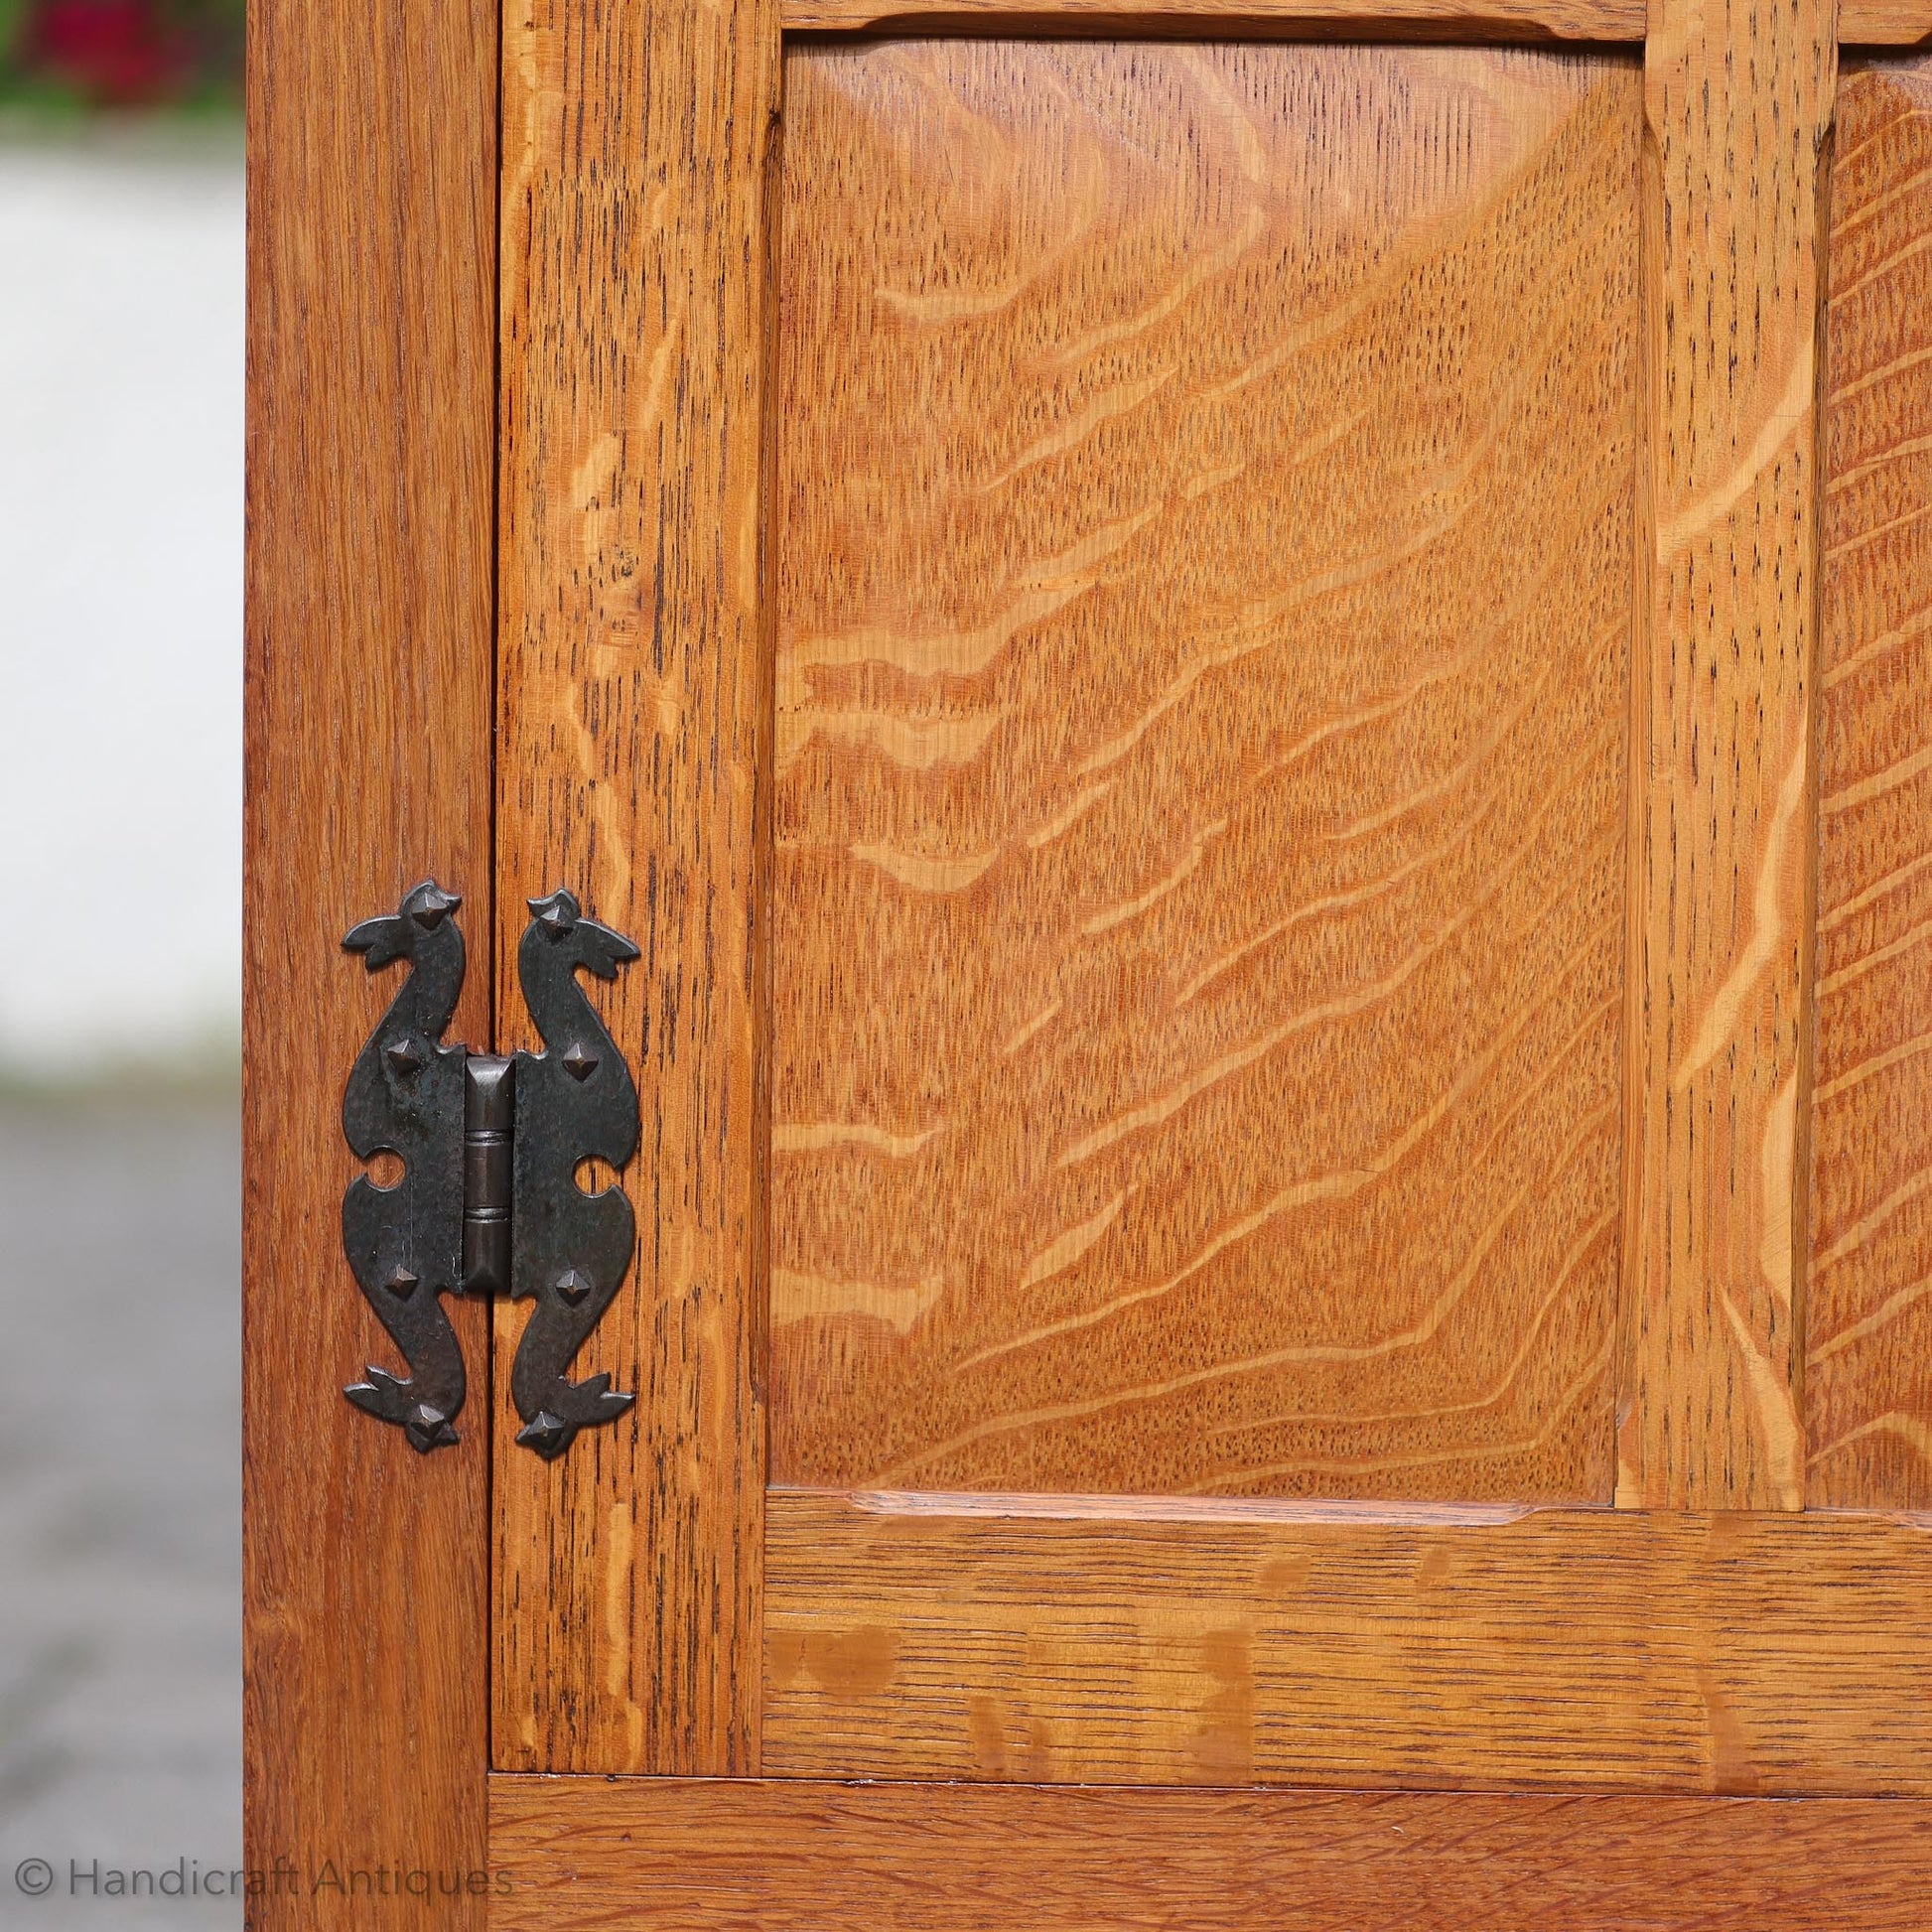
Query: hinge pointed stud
[[428, 1427], [579, 1061], [428, 905], [574, 1286], [557, 915], [545, 1433]]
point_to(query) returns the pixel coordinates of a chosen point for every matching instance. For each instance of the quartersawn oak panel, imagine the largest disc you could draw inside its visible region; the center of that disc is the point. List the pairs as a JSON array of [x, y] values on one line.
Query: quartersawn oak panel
[[705, 1857], [1118, 1640], [1205, 590], [1868, 1335]]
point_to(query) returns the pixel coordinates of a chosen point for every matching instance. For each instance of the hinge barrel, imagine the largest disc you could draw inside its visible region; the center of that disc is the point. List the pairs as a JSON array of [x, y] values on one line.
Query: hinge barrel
[[489, 1115]]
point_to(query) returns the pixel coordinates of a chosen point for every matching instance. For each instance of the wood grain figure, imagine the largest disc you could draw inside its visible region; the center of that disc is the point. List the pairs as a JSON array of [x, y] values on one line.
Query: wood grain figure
[[1118, 1640], [1207, 483], [632, 703], [1726, 840], [1869, 1337], [730, 1858], [372, 319]]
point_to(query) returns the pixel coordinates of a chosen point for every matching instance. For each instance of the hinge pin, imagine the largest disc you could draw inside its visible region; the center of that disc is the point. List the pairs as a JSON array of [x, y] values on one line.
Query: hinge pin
[[488, 1113]]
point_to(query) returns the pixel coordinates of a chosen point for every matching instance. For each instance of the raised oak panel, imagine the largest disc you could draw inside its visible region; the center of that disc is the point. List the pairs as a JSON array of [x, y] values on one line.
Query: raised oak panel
[[1206, 482], [1869, 1355]]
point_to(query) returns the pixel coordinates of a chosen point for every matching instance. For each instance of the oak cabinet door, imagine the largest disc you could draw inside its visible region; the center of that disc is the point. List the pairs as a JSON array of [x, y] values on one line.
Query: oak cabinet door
[[1260, 701]]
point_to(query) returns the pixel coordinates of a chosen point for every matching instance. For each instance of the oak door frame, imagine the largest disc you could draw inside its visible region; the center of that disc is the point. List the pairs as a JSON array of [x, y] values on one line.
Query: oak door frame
[[635, 353]]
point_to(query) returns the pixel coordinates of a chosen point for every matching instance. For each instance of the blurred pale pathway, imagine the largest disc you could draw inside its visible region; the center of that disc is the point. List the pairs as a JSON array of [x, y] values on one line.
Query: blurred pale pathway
[[121, 1500], [120, 682], [120, 593]]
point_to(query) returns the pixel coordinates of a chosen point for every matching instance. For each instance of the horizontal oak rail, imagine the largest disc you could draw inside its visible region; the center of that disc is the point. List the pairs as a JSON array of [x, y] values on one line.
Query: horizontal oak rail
[[1884, 23], [1122, 1642], [1862, 22], [705, 1855], [1437, 20]]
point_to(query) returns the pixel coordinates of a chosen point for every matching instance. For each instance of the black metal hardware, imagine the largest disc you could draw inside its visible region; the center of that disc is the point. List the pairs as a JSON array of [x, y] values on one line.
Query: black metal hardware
[[574, 1102], [488, 1202], [403, 1242], [488, 1119]]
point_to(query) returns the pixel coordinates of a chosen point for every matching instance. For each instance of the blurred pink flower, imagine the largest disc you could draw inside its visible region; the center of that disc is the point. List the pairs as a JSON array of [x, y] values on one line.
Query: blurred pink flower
[[119, 52]]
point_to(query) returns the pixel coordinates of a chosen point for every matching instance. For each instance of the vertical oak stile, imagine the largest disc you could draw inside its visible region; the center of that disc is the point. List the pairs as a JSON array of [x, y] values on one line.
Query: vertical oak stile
[[372, 251], [1650, 207], [628, 740], [1737, 101]]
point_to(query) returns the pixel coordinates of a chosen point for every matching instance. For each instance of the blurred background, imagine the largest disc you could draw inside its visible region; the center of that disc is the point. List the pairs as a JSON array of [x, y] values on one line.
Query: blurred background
[[121, 230]]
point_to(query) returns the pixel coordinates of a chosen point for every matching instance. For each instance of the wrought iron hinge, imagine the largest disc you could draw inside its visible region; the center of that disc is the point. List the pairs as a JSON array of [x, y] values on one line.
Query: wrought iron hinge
[[488, 1202]]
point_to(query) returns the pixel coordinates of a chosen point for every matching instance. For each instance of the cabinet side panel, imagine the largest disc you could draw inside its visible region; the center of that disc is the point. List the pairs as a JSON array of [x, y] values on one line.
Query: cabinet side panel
[[1869, 1334], [372, 326]]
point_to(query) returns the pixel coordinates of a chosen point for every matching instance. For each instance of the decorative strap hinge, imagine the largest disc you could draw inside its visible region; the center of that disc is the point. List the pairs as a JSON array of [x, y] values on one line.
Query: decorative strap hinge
[[487, 1201]]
